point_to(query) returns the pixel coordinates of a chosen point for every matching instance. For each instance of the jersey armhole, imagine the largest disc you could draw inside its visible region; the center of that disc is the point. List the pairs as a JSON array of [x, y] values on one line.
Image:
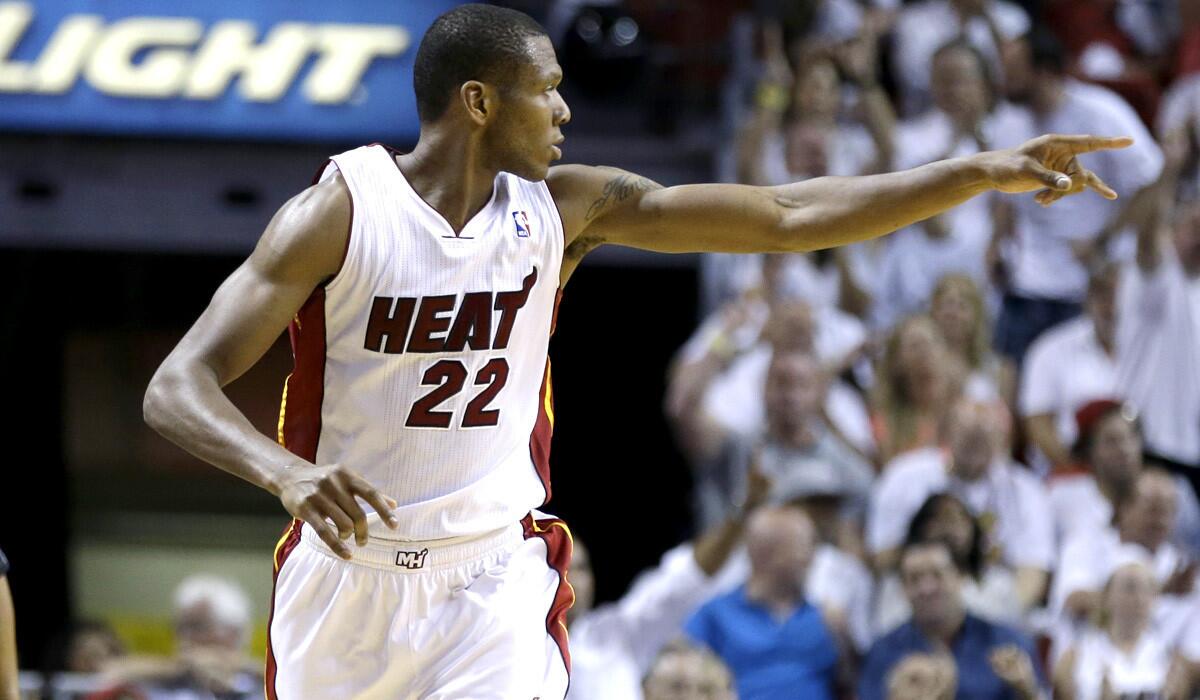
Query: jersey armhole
[[562, 229], [321, 174]]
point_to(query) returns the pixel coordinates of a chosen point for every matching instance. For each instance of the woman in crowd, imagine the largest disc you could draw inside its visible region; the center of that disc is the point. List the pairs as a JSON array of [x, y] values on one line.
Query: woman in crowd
[[989, 588], [959, 311], [1122, 654], [917, 379]]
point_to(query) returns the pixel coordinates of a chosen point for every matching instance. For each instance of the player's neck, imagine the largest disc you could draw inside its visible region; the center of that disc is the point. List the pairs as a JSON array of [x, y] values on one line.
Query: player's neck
[[448, 173]]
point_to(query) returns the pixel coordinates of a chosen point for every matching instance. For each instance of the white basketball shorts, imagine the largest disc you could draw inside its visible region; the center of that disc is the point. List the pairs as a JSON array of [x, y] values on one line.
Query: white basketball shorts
[[473, 618]]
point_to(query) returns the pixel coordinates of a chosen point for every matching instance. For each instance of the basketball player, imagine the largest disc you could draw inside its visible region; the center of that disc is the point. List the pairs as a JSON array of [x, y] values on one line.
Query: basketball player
[[420, 289]]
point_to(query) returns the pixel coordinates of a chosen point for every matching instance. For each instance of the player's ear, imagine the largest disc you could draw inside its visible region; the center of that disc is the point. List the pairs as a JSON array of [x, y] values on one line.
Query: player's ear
[[477, 99]]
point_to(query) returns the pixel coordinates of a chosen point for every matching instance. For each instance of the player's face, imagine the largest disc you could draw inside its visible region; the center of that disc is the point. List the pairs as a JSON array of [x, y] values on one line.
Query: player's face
[[525, 136]]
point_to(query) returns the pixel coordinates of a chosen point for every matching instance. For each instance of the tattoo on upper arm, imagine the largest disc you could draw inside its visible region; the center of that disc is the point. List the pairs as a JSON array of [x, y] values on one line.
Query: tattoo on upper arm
[[582, 246], [619, 189]]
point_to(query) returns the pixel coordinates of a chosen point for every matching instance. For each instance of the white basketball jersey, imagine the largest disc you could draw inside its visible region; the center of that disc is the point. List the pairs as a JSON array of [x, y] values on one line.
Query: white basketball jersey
[[422, 364]]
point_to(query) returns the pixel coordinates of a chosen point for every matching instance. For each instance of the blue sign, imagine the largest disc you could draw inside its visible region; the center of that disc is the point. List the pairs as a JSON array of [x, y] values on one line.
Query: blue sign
[[276, 69]]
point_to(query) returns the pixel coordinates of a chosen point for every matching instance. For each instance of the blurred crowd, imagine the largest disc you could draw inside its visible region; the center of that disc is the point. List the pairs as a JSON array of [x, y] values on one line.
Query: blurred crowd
[[961, 460]]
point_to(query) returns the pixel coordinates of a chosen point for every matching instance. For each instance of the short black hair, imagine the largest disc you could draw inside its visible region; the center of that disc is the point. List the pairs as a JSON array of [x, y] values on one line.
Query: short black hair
[[470, 42]]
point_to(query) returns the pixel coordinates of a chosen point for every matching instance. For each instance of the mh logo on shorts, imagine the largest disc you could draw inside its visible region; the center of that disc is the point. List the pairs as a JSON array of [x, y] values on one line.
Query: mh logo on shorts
[[521, 219], [411, 560]]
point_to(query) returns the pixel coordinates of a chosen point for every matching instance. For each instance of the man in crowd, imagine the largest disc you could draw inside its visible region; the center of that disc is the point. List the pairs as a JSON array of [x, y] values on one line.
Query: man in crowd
[[614, 645], [991, 661], [1109, 448], [1009, 501], [1068, 366], [212, 628], [777, 644], [1045, 275], [684, 672], [1158, 338]]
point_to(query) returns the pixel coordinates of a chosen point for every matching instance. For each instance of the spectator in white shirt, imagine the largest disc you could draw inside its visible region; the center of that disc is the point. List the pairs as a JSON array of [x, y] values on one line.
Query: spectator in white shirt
[[1109, 453], [1124, 654], [685, 672], [1158, 339], [1046, 279], [1068, 366], [614, 645], [1144, 522], [922, 27], [967, 117], [1009, 501]]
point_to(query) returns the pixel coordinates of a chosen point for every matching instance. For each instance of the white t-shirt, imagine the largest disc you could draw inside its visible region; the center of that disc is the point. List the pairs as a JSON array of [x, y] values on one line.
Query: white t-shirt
[[614, 645], [1079, 506], [1042, 261], [1090, 557], [836, 580], [1008, 496], [1180, 105], [735, 402], [849, 149], [1158, 350], [1142, 671], [1065, 369], [923, 27]]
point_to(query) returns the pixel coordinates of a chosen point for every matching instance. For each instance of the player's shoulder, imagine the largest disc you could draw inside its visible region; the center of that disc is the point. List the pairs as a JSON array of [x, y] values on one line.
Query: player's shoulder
[[311, 230], [583, 193], [570, 181]]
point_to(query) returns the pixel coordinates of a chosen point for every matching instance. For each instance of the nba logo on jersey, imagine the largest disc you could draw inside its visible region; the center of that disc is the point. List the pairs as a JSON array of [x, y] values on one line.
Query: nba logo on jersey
[[521, 219]]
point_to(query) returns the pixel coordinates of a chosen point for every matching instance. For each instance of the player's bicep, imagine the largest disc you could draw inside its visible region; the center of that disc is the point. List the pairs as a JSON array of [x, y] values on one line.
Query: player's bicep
[[300, 250], [698, 218], [609, 205]]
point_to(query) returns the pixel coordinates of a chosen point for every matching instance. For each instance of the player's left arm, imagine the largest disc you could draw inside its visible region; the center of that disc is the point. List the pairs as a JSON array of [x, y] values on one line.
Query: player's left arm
[[607, 205]]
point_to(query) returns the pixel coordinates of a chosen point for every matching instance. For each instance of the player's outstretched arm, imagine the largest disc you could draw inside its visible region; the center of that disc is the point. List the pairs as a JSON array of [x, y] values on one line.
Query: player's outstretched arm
[[606, 205], [301, 249]]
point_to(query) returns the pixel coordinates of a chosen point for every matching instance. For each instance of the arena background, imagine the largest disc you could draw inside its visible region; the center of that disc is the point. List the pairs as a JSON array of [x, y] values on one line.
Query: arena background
[[120, 215]]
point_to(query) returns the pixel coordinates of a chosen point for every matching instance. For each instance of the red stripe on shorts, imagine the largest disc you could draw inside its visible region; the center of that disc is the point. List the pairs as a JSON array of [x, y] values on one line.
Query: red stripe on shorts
[[557, 536], [291, 538]]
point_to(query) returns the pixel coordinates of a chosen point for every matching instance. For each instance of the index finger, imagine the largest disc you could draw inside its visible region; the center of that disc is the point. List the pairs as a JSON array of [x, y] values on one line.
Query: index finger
[[1085, 144]]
